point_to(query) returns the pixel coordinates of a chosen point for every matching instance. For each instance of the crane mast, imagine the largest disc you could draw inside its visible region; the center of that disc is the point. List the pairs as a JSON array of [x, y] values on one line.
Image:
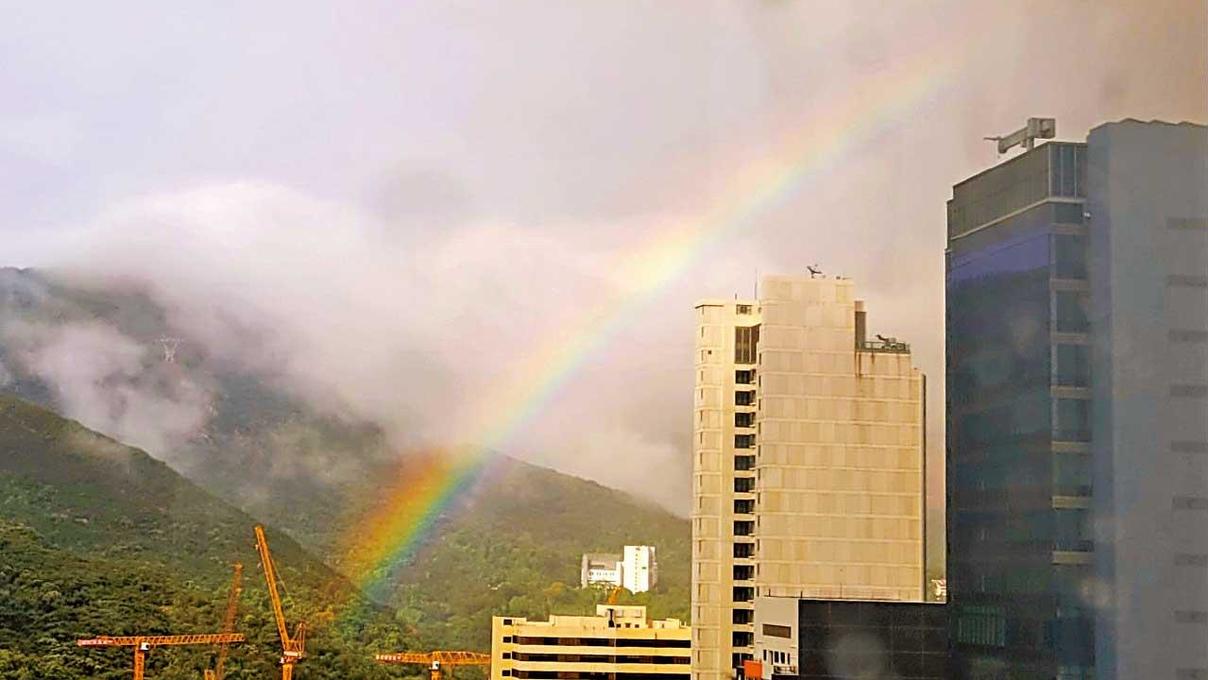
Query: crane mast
[[293, 648], [228, 622]]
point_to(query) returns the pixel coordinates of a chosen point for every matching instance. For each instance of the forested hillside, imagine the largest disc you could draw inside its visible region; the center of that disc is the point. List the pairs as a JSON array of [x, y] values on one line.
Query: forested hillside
[[100, 539]]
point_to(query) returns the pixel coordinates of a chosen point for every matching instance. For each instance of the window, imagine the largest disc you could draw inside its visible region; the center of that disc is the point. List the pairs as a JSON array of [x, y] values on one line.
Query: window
[[1068, 170], [1072, 312], [1189, 391], [774, 630], [741, 615], [744, 377], [744, 419], [1071, 474], [742, 309], [1072, 530], [744, 507], [1069, 256], [744, 528], [1191, 616], [744, 398], [981, 626], [1073, 366], [1073, 420], [743, 594], [746, 338], [744, 550], [1189, 503], [744, 463], [743, 572], [744, 484], [1190, 560], [744, 441]]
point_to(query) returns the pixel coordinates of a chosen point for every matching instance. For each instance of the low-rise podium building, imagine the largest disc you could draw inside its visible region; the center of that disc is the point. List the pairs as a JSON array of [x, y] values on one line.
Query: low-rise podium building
[[618, 643]]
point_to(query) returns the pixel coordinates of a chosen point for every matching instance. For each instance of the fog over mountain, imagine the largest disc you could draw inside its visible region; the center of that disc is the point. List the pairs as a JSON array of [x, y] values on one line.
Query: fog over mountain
[[386, 210]]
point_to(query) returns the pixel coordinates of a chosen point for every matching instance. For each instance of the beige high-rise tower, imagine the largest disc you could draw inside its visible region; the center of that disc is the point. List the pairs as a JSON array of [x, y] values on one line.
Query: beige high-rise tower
[[808, 461]]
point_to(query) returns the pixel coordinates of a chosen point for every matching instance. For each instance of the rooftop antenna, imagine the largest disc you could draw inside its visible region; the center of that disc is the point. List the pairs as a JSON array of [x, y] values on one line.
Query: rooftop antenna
[[170, 345], [815, 272], [1026, 136]]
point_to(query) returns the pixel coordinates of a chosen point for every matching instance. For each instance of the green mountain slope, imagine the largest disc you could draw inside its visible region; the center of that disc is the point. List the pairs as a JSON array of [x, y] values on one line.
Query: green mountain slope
[[511, 544], [514, 545], [98, 538]]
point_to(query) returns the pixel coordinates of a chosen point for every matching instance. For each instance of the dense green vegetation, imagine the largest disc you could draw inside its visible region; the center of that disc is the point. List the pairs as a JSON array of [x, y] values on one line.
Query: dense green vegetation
[[101, 539]]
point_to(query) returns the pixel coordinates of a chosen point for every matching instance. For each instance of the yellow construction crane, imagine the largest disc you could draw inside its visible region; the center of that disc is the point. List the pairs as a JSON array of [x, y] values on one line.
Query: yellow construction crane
[[228, 622], [436, 661], [613, 593], [293, 648], [143, 644]]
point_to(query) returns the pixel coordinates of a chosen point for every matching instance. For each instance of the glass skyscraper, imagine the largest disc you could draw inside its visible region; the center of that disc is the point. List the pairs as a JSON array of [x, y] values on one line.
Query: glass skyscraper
[[1019, 478], [1077, 394]]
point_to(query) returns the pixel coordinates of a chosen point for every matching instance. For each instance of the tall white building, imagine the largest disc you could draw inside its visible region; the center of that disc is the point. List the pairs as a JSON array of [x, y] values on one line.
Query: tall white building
[[639, 569], [808, 461]]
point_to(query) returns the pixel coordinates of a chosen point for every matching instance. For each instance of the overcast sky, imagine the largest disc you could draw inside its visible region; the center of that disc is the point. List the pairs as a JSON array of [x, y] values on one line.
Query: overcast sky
[[414, 195]]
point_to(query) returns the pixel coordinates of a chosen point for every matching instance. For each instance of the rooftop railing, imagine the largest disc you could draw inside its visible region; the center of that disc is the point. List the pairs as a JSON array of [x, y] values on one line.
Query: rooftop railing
[[890, 345]]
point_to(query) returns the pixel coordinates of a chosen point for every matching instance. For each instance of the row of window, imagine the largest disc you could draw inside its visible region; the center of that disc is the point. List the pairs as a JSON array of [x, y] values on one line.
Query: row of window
[[586, 675], [774, 656], [595, 658], [593, 642]]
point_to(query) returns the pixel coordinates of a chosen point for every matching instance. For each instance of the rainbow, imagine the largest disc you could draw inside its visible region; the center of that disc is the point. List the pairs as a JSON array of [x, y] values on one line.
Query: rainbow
[[426, 488]]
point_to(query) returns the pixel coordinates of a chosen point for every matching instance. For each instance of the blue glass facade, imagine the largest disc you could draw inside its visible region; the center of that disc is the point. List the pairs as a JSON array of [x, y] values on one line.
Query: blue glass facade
[[1018, 468]]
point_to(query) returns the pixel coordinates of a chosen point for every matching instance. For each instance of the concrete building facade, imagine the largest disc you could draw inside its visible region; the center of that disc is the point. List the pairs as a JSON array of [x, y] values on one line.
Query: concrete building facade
[[808, 461], [618, 643], [600, 569], [1147, 206], [1077, 289]]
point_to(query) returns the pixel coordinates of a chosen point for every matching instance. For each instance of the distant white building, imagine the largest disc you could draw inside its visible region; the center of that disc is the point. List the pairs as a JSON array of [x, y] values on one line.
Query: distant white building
[[636, 569], [639, 569], [600, 569]]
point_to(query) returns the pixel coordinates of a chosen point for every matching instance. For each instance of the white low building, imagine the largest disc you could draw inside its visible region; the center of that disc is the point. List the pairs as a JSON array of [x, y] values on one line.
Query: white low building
[[636, 569]]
